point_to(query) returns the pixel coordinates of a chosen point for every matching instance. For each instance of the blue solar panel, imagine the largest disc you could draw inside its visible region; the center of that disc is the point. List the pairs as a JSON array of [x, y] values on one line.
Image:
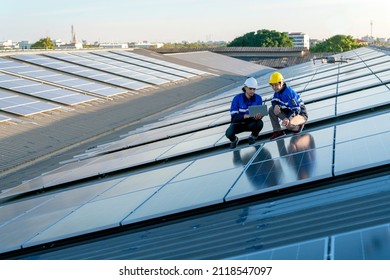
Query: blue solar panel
[[109, 58], [286, 162], [58, 78], [185, 195], [369, 244], [87, 60], [92, 216], [364, 99], [22, 105], [82, 71], [310, 250], [161, 62], [48, 92]]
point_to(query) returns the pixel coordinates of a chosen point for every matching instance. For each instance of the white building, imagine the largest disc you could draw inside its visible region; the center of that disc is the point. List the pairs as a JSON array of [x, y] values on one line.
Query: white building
[[146, 45], [7, 45], [300, 39], [114, 45]]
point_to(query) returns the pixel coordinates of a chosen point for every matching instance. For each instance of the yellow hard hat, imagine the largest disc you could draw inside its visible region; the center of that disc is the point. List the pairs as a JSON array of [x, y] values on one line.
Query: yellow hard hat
[[275, 78]]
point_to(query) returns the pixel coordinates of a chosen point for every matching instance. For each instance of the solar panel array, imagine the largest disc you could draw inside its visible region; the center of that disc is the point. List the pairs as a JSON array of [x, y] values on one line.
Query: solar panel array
[[50, 76], [73, 78], [161, 62], [82, 71], [159, 76], [140, 79], [44, 91], [23, 106], [343, 101]]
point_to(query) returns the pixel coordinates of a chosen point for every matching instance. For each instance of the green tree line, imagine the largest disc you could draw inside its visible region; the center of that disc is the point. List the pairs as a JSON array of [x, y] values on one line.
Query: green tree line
[[262, 38], [44, 43], [336, 44]]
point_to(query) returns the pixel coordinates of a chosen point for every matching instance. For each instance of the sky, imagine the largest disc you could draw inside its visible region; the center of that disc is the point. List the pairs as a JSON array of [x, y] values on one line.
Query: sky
[[120, 21]]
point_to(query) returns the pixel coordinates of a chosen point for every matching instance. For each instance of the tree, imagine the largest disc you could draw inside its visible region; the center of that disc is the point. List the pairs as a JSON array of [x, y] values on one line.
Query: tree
[[336, 44], [44, 43], [262, 38]]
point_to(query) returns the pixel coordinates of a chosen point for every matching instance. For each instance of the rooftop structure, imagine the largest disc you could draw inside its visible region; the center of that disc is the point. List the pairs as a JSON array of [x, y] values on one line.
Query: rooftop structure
[[163, 183]]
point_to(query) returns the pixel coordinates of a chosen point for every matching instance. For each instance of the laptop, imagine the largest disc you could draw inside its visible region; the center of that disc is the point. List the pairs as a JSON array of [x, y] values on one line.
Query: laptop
[[262, 109]]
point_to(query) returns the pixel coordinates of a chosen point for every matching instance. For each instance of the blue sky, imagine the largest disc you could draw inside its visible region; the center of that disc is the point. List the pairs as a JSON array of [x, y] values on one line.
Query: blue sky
[[190, 20]]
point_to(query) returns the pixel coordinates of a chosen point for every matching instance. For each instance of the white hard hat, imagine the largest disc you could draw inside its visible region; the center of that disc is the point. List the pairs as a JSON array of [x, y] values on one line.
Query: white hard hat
[[251, 82]]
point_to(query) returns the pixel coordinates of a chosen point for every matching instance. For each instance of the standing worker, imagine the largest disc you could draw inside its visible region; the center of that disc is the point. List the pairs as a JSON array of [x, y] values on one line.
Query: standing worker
[[239, 112], [287, 106]]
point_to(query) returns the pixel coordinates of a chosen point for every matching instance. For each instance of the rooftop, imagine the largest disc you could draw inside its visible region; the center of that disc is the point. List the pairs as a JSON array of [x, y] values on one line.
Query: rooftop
[[147, 173]]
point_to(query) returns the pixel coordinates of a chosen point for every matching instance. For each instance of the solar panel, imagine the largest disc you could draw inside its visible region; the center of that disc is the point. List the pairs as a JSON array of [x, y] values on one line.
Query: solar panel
[[86, 60], [286, 162], [353, 149], [138, 181], [310, 250], [35, 72], [161, 62], [81, 71], [170, 73], [92, 216], [22, 105], [361, 153], [321, 110], [358, 84], [41, 213], [364, 99], [368, 244], [185, 195], [48, 92], [112, 59]]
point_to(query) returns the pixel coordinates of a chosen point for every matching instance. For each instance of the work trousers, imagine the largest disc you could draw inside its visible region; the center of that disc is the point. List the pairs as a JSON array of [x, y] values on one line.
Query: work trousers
[[255, 126]]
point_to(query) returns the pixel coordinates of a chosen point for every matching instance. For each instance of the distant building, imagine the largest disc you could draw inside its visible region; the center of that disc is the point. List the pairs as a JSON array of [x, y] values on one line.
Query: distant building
[[25, 45], [58, 43], [368, 39], [114, 45], [300, 39], [6, 45], [147, 45]]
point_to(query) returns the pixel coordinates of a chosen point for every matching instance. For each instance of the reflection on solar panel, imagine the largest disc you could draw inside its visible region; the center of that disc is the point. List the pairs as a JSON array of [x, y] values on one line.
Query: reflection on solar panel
[[42, 74], [22, 105], [180, 165], [161, 62], [105, 57], [44, 91], [86, 60], [82, 71], [174, 75]]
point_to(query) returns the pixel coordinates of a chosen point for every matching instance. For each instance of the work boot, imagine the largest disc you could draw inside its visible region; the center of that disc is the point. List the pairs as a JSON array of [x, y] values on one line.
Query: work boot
[[234, 143], [277, 134], [251, 140]]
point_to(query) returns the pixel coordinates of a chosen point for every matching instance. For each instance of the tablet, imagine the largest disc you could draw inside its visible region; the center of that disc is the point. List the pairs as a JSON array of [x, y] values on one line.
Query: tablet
[[262, 109]]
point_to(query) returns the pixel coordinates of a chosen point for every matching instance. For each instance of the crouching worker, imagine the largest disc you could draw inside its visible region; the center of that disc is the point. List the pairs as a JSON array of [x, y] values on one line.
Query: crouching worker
[[287, 106], [239, 112]]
